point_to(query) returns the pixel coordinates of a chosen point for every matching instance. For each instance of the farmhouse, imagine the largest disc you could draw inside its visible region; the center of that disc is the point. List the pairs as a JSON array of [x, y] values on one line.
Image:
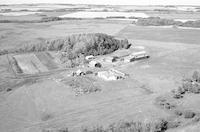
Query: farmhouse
[[95, 64], [111, 75]]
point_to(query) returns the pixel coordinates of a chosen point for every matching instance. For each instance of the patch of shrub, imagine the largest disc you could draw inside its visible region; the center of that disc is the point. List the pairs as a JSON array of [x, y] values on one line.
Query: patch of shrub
[[163, 103], [3, 52], [131, 126], [172, 124], [157, 21], [177, 96], [53, 130], [178, 93], [196, 118], [190, 85], [195, 24], [89, 72], [83, 85], [8, 89], [178, 112], [122, 17], [196, 76], [48, 19]]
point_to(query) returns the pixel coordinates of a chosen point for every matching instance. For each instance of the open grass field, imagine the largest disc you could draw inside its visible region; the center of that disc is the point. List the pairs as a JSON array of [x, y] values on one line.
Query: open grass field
[[50, 103], [54, 105], [33, 33], [167, 34]]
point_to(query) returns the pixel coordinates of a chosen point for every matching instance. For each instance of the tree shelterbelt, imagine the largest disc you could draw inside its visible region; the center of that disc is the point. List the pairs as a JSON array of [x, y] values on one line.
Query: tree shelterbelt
[[75, 47]]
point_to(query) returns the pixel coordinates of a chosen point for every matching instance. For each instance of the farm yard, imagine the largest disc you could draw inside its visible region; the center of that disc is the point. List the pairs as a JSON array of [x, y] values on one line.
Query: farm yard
[[140, 78]]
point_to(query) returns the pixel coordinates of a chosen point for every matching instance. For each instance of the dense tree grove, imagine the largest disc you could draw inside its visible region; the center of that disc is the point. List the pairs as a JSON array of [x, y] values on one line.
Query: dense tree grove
[[74, 48], [157, 21], [87, 44]]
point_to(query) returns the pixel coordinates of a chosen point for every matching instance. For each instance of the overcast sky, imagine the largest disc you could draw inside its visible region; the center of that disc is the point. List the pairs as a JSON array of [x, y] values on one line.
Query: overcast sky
[[111, 2]]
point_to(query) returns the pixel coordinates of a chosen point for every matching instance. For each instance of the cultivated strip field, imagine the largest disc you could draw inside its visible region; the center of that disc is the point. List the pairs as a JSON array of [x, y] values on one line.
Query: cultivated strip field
[[47, 60], [36, 62]]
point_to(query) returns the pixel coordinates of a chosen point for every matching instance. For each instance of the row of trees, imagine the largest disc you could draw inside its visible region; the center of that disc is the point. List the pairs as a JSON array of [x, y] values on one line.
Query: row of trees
[[75, 47], [157, 21], [86, 44]]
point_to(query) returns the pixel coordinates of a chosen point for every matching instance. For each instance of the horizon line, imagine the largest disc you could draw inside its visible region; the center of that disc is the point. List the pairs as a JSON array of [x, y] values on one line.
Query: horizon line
[[99, 4]]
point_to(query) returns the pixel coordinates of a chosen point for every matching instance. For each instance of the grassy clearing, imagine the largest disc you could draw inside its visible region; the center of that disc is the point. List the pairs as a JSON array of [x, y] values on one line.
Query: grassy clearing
[[161, 34]]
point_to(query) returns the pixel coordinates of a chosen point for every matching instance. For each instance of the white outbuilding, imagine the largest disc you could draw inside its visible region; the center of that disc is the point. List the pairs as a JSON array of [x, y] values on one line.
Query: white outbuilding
[[111, 75], [95, 64], [135, 56], [89, 57]]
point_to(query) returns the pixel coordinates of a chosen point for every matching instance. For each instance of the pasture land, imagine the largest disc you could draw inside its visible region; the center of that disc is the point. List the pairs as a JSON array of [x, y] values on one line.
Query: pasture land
[[51, 102], [13, 35], [56, 106], [164, 34]]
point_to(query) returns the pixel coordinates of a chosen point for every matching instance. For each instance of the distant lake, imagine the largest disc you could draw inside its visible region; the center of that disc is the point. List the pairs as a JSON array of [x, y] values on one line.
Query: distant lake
[[83, 14], [185, 20], [21, 13], [38, 7]]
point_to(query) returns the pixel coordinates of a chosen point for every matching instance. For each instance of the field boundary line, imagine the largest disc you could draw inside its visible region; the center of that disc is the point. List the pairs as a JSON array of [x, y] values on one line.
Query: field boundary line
[[10, 66]]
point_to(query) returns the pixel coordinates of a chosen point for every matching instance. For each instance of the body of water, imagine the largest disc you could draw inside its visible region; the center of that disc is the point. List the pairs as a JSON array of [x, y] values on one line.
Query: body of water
[[103, 14]]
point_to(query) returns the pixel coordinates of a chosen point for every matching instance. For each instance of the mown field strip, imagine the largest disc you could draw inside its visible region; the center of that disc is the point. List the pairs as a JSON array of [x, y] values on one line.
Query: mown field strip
[[47, 60], [30, 64]]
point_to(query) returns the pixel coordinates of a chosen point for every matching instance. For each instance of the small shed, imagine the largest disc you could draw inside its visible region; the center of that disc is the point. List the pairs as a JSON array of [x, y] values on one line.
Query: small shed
[[95, 64], [78, 73], [110, 59], [106, 75], [111, 75], [89, 57], [129, 58]]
